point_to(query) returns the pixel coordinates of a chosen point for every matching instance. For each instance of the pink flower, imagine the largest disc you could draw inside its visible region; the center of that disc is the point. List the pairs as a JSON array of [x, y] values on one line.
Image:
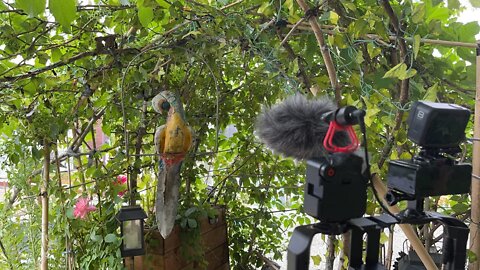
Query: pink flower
[[121, 180], [82, 208]]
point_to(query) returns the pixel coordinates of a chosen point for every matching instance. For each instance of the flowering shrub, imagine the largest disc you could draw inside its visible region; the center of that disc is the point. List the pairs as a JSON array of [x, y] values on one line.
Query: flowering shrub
[[121, 181], [82, 208]]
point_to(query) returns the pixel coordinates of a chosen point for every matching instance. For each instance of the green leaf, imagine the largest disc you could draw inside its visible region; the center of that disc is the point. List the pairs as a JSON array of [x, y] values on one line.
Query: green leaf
[[350, 6], [163, 3], [190, 211], [192, 223], [56, 55], [95, 237], [183, 223], [265, 9], [418, 14], [372, 50], [400, 71], [475, 3], [460, 208], [145, 15], [453, 4], [32, 7], [416, 46], [316, 259], [64, 11], [372, 110], [472, 257], [70, 213], [431, 94], [333, 17], [359, 58], [110, 238], [439, 12]]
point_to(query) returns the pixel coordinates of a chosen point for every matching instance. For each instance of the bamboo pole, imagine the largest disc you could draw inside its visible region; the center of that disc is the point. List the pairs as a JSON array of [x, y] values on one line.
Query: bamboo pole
[[475, 215], [406, 228], [332, 30], [327, 58], [44, 194]]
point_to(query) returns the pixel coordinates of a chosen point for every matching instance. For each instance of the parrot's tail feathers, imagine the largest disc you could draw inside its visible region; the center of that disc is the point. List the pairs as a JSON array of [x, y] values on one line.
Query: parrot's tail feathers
[[168, 189]]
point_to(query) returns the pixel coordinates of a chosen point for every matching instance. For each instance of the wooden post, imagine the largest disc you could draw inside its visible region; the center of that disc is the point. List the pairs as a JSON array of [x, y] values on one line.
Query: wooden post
[[474, 225], [406, 228], [44, 194]]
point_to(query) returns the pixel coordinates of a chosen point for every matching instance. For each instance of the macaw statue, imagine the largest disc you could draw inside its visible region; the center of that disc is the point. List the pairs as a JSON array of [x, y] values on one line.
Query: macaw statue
[[172, 142]]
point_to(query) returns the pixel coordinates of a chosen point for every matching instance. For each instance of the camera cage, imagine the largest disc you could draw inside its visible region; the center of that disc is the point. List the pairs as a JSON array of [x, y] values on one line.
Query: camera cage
[[419, 173]]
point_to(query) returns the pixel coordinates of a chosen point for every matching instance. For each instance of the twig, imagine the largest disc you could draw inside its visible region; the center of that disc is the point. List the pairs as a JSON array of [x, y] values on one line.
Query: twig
[[58, 64], [110, 7], [5, 254], [47, 68], [271, 264], [138, 149], [294, 27], [231, 4], [389, 256], [404, 84], [301, 67]]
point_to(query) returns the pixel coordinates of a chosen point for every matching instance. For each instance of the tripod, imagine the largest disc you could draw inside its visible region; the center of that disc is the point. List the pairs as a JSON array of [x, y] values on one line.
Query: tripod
[[454, 241]]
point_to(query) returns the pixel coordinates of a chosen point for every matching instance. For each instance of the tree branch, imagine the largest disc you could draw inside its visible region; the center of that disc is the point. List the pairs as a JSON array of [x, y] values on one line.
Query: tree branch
[[79, 56], [301, 67], [404, 84]]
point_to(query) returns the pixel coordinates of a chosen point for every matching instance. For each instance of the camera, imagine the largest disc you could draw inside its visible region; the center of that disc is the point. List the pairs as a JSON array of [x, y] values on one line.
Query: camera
[[438, 128]]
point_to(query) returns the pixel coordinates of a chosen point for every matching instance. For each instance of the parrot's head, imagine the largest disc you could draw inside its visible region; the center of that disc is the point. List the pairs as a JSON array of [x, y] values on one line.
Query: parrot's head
[[167, 101]]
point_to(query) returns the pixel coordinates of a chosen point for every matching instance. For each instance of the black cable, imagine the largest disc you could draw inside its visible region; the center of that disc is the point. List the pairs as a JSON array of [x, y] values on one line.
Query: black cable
[[363, 129]]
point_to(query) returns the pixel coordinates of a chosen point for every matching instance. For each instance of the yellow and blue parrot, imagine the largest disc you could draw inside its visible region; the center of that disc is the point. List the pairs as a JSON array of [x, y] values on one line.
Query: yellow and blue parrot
[[172, 142]]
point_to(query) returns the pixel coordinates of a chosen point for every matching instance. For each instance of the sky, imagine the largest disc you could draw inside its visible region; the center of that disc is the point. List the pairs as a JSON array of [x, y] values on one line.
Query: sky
[[470, 14]]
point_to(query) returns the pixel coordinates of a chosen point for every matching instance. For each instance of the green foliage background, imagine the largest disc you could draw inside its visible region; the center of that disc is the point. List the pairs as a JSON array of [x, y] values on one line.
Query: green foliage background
[[225, 60]]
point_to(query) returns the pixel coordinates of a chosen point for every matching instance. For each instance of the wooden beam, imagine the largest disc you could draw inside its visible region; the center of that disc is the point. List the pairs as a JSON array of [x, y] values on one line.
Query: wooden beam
[[332, 30], [475, 215], [44, 194]]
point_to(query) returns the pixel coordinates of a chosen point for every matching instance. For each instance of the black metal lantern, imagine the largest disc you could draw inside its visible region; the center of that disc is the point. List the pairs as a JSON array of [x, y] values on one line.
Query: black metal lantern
[[131, 219]]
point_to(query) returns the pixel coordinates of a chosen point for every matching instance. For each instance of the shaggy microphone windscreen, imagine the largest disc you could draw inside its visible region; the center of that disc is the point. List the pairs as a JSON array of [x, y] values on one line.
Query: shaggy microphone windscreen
[[295, 129]]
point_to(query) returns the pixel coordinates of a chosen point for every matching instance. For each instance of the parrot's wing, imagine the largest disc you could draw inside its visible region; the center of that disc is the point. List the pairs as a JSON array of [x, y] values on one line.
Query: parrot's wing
[[167, 197], [189, 134], [159, 139]]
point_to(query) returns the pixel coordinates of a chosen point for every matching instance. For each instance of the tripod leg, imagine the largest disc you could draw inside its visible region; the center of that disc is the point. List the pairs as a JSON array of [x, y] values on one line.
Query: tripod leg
[[298, 255], [373, 247], [356, 248], [454, 247]]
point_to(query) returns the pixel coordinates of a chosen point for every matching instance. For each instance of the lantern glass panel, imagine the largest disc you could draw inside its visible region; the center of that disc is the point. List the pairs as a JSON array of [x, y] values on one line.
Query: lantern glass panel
[[132, 234]]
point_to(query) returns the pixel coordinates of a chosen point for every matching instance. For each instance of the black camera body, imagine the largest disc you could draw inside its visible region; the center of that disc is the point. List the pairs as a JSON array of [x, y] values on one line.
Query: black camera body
[[423, 178], [335, 189], [438, 128]]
